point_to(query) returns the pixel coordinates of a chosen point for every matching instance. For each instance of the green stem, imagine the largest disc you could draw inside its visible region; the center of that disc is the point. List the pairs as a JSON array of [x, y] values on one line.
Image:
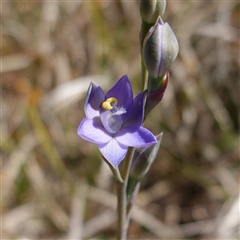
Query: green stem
[[123, 214], [144, 30], [123, 222], [115, 171], [127, 164], [121, 225]]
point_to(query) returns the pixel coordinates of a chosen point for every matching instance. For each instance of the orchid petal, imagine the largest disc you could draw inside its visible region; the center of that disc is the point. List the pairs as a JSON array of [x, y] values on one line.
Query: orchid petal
[[137, 115], [135, 137], [122, 91], [95, 96], [113, 151], [91, 131]]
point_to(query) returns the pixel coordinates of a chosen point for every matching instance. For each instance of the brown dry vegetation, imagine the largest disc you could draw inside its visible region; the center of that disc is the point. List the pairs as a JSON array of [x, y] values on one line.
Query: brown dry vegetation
[[54, 184]]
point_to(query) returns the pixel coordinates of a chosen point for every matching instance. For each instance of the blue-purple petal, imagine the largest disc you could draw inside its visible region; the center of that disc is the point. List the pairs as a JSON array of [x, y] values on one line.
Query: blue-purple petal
[[91, 131], [122, 91], [135, 137], [113, 151], [137, 115], [95, 96]]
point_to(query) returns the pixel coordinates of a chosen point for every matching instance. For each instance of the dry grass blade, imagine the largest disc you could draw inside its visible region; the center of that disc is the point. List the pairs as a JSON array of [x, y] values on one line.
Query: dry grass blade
[[228, 222], [157, 191], [227, 181], [15, 162], [46, 142], [62, 67], [200, 227], [77, 211], [218, 30], [139, 216], [99, 223], [15, 62], [104, 176], [46, 25], [154, 225], [18, 221], [216, 105], [103, 197], [43, 191], [67, 93]]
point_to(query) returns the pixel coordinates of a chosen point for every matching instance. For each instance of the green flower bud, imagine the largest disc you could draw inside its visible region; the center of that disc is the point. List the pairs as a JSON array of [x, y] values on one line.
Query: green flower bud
[[151, 9], [160, 48], [143, 159]]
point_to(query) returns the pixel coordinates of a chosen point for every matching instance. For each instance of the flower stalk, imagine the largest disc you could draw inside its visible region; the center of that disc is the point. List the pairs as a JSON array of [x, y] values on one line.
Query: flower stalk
[[123, 222], [114, 121]]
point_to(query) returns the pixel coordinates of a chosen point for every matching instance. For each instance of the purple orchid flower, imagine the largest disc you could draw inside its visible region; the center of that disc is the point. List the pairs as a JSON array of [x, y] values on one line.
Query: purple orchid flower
[[114, 120]]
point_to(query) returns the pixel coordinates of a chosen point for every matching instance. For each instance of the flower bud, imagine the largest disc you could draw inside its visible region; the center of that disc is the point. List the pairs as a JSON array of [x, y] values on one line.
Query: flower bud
[[156, 90], [132, 190], [151, 9], [160, 48], [143, 159]]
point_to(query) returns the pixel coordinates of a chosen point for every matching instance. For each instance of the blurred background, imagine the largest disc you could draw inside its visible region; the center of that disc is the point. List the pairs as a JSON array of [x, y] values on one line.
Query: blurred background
[[54, 184]]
